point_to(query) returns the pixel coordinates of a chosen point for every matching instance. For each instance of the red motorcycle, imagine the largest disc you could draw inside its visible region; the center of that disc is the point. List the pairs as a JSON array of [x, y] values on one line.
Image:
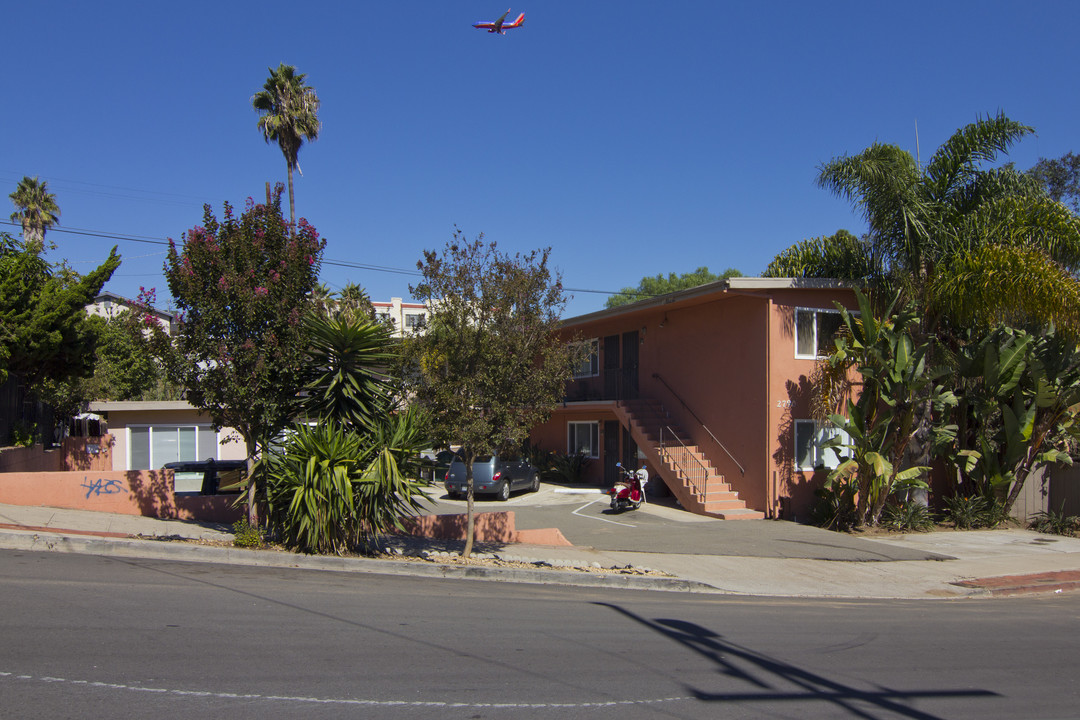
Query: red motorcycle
[[629, 490]]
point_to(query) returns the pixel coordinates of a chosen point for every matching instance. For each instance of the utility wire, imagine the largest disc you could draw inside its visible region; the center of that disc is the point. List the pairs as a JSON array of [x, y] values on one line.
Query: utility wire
[[336, 263]]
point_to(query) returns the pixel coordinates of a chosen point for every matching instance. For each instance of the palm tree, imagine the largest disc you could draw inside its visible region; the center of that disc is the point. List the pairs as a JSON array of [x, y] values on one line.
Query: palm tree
[[968, 245], [289, 115], [37, 210]]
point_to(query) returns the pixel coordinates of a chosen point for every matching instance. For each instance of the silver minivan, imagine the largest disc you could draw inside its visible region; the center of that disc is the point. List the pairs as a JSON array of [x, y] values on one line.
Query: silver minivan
[[492, 475]]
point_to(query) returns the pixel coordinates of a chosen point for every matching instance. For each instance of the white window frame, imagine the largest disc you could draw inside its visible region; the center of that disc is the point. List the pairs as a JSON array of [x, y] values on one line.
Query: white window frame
[[201, 453], [816, 340], [414, 321], [819, 457], [573, 445], [590, 366]]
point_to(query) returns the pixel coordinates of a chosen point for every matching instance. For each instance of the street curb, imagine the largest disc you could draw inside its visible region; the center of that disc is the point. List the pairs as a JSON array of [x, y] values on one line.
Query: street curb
[[184, 552]]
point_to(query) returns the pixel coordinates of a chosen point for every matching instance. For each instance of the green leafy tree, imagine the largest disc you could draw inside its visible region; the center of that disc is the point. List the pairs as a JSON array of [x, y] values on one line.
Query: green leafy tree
[[662, 285], [44, 328], [242, 286], [36, 210], [1060, 177], [289, 115], [489, 366]]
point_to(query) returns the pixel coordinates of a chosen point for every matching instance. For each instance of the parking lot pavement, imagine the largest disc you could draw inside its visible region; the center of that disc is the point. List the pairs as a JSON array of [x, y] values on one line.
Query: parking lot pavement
[[584, 518]]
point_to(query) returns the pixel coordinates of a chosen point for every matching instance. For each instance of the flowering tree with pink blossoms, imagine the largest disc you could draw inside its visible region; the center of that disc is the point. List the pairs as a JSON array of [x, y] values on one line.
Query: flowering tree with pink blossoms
[[241, 285]]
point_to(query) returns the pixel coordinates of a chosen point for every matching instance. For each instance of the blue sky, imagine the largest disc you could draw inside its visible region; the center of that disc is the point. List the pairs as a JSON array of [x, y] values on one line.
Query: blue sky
[[632, 137]]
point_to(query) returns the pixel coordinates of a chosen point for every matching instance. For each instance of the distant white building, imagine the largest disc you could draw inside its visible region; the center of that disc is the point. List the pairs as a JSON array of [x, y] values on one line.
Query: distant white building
[[108, 305], [406, 317]]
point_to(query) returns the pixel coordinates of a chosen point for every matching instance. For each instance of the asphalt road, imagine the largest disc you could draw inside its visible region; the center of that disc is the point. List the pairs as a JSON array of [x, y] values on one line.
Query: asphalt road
[[85, 636], [586, 520]]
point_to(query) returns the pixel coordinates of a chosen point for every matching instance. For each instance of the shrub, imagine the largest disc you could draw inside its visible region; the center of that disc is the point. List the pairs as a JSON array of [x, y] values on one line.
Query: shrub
[[1056, 523], [331, 490], [834, 508], [246, 535], [570, 468], [975, 511], [907, 515]]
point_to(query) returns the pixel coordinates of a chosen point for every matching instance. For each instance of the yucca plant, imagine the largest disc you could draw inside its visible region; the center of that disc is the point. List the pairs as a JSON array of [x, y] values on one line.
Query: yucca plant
[[310, 482]]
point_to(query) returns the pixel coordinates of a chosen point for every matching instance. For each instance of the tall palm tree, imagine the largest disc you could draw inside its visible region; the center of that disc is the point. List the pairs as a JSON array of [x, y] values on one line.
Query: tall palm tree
[[289, 115], [967, 244], [37, 210]]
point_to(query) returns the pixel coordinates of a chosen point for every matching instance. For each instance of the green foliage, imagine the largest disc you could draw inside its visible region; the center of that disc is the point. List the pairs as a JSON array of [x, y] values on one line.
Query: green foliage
[[44, 329], [834, 506], [24, 434], [968, 512], [1019, 408], [662, 285], [489, 366], [1056, 523], [966, 244], [351, 477], [907, 516], [246, 535], [569, 468], [347, 371], [242, 285], [1061, 178], [330, 489], [841, 255], [36, 210], [879, 425]]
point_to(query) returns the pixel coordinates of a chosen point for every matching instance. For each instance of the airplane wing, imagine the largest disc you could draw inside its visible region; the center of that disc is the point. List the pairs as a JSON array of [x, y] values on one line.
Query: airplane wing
[[492, 26]]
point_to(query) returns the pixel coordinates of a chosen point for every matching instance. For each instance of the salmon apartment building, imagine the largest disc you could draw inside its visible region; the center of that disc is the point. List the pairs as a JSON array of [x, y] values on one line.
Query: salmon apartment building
[[709, 388]]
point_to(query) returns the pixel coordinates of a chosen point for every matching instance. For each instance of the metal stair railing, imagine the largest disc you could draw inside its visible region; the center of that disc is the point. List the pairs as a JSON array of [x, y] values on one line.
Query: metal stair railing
[[742, 470], [681, 456]]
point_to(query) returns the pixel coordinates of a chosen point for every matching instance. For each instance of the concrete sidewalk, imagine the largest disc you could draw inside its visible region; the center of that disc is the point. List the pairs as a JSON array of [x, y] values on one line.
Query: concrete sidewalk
[[779, 564]]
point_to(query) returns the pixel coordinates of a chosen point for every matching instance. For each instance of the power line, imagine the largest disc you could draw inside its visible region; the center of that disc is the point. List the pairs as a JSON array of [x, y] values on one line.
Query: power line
[[336, 263]]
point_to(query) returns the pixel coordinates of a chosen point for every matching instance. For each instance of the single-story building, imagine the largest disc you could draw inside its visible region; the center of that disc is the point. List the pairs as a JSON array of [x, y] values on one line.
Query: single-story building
[[150, 433]]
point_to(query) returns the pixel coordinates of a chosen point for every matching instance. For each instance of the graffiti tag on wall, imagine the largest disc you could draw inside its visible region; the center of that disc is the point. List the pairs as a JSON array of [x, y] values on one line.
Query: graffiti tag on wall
[[101, 486]]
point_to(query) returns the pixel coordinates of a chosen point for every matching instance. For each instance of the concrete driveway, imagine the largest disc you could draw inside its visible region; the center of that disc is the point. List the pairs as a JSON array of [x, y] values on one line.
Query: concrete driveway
[[584, 518]]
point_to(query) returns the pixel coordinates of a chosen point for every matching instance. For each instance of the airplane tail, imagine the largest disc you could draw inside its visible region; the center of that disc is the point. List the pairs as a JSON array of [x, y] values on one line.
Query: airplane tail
[[517, 21]]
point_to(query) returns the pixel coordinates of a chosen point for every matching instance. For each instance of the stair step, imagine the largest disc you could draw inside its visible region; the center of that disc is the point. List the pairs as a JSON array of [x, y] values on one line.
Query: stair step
[[744, 514]]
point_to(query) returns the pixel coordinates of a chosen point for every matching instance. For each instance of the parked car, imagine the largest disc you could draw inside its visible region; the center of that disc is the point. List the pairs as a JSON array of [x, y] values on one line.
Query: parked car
[[438, 463], [207, 477], [492, 475]]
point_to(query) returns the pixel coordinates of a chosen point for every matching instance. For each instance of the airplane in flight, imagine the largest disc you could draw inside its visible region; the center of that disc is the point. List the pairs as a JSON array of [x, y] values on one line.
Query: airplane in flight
[[499, 26]]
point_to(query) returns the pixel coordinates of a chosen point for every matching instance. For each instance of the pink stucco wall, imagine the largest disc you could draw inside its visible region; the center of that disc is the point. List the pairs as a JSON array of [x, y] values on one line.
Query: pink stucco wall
[[137, 492], [74, 453]]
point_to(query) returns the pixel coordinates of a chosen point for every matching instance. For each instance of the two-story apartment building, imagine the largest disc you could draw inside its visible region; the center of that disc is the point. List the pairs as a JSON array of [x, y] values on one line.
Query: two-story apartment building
[[710, 388]]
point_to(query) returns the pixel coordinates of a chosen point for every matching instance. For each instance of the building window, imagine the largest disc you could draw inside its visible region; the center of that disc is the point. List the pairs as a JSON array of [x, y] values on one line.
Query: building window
[[414, 321], [584, 438], [814, 332], [152, 446], [809, 437], [588, 366]]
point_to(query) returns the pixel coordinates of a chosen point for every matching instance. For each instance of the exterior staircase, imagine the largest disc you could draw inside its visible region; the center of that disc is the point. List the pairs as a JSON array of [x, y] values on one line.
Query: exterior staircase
[[686, 471]]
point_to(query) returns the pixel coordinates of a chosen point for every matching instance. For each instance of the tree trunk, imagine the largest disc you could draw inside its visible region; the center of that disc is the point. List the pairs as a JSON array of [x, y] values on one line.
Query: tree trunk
[[469, 532], [292, 204]]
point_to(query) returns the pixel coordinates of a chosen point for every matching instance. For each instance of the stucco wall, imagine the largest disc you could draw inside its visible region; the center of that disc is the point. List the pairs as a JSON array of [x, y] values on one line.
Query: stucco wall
[[143, 492], [74, 453]]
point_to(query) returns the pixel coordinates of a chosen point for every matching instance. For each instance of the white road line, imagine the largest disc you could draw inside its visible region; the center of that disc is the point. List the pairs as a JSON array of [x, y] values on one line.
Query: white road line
[[591, 517], [335, 701]]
